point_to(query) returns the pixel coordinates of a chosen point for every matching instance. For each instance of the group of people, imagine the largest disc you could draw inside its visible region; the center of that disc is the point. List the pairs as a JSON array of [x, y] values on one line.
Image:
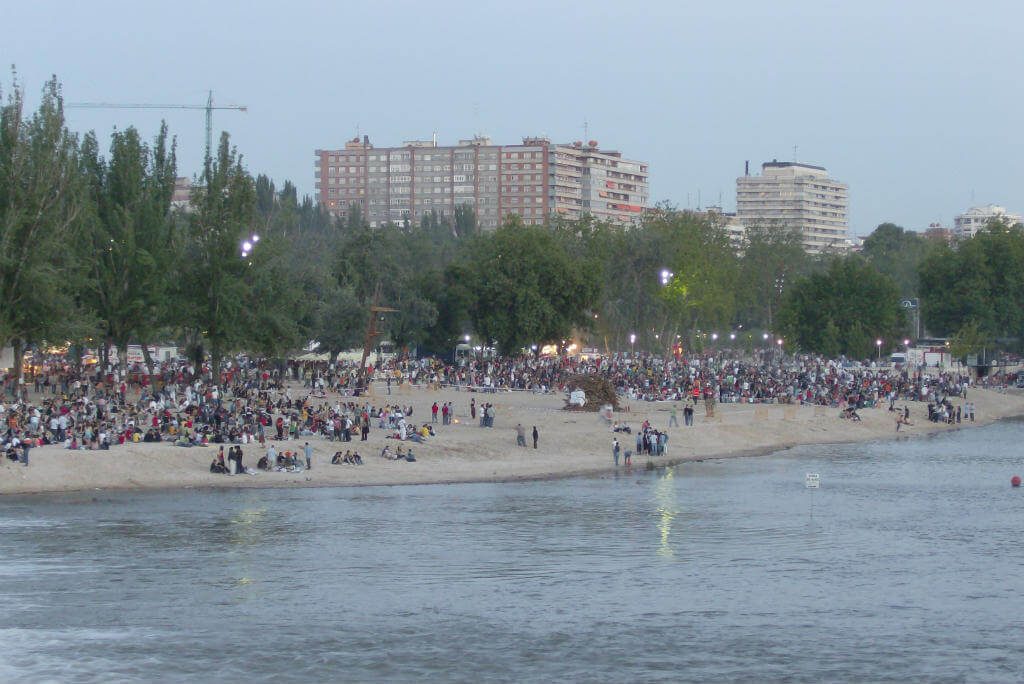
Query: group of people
[[231, 465], [250, 401]]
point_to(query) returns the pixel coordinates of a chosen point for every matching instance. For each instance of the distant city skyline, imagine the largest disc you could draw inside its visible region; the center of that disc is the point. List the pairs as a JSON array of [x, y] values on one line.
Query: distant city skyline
[[890, 97]]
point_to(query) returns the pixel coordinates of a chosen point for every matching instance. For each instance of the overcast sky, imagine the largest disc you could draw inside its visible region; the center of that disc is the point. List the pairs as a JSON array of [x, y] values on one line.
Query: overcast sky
[[916, 104]]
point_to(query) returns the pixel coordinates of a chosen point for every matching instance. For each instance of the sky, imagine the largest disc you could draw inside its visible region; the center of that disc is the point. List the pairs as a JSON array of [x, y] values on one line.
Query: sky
[[915, 104]]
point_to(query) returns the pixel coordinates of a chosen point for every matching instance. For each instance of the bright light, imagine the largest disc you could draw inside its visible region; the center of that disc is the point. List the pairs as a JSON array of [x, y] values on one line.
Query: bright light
[[467, 338], [878, 343], [632, 338], [246, 246], [666, 275], [765, 336], [714, 336], [906, 343], [255, 238], [533, 347], [778, 342], [732, 336]]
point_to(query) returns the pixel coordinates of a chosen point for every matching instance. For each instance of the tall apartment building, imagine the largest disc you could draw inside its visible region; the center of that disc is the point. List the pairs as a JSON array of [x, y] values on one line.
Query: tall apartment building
[[800, 196], [967, 224], [532, 180]]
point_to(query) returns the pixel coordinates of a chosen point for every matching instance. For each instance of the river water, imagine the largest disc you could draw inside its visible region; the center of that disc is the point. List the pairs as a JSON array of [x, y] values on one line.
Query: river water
[[904, 565]]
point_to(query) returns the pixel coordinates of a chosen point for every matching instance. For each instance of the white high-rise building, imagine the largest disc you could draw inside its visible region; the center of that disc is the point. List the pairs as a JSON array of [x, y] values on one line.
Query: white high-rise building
[[967, 224], [796, 196]]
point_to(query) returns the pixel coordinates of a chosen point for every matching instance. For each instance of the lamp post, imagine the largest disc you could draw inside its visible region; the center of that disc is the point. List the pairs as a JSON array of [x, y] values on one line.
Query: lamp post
[[878, 344], [632, 343]]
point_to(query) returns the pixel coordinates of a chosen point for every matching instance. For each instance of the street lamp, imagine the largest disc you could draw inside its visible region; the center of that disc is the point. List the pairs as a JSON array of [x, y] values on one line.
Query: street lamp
[[249, 244], [632, 343], [878, 344], [666, 276]]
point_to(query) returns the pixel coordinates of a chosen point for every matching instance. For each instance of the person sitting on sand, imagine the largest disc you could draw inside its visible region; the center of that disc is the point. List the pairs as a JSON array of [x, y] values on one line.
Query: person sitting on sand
[[263, 463], [357, 459], [337, 458], [386, 452], [217, 466]]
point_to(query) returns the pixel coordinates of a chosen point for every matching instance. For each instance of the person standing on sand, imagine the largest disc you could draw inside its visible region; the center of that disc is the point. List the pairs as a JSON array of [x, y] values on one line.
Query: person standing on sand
[[309, 456], [520, 435], [535, 436], [673, 419], [615, 452], [433, 413], [472, 409]]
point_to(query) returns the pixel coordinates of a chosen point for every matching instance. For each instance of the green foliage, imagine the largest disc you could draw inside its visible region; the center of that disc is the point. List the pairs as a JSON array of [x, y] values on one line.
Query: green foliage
[[40, 203], [843, 310], [773, 258], [128, 230], [214, 279], [897, 253], [701, 292], [968, 340], [522, 287], [980, 283]]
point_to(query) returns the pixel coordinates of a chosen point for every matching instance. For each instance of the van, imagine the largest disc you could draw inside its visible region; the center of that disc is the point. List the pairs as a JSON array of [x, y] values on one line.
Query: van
[[898, 359]]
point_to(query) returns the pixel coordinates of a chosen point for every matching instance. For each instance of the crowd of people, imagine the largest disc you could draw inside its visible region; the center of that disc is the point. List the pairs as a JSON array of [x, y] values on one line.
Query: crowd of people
[[257, 402]]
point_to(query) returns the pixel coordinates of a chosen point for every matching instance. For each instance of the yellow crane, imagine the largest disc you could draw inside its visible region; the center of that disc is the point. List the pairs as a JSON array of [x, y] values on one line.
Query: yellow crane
[[208, 107]]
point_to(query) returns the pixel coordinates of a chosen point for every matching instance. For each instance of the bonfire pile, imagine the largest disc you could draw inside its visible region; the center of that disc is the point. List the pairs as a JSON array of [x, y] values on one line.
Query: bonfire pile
[[599, 392]]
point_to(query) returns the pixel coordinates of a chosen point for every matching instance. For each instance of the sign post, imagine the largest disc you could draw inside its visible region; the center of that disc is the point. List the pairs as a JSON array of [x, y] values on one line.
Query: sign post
[[812, 481]]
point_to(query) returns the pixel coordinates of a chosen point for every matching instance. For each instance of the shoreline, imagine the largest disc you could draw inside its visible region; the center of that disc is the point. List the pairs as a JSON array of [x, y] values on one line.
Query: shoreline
[[572, 444]]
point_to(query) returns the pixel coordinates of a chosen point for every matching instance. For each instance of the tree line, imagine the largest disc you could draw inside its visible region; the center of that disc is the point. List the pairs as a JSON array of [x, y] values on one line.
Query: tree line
[[93, 253]]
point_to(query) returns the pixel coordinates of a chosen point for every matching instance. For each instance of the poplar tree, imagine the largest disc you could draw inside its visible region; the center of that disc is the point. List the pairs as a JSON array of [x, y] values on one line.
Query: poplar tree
[[40, 201], [213, 271]]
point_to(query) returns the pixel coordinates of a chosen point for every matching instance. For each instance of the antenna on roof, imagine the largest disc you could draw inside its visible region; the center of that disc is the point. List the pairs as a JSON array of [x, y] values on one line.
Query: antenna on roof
[[586, 130], [795, 148]]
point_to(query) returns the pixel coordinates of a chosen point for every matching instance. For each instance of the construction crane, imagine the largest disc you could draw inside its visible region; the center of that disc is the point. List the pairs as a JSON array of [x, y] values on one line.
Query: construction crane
[[209, 107]]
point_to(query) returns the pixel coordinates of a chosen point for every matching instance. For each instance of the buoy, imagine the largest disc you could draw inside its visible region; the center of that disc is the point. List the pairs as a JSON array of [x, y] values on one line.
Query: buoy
[[1015, 481]]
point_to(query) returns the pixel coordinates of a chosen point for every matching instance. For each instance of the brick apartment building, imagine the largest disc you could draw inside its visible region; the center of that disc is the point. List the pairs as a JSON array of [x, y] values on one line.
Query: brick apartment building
[[532, 180]]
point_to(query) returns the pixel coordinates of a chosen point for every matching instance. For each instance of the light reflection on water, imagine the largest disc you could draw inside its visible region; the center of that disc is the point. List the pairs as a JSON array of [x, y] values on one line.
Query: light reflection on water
[[665, 495], [908, 569]]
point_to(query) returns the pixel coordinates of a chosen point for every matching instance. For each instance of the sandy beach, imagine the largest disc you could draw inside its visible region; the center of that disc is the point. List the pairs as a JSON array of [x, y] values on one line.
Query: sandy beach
[[571, 443]]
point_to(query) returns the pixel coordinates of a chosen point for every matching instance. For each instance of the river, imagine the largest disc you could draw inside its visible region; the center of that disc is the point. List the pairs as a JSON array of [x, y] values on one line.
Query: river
[[904, 565]]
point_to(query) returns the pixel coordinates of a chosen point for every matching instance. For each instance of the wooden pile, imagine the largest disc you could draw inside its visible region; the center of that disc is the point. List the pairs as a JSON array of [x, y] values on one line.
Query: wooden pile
[[599, 392]]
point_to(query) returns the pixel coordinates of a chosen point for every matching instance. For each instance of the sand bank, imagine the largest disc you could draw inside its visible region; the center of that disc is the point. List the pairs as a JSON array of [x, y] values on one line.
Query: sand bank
[[570, 444]]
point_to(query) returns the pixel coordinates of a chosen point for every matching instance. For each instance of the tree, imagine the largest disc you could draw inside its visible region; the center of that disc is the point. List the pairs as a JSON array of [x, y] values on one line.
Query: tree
[[897, 253], [842, 310], [979, 283], [522, 287], [702, 288], [773, 258], [214, 274], [129, 235], [40, 201]]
